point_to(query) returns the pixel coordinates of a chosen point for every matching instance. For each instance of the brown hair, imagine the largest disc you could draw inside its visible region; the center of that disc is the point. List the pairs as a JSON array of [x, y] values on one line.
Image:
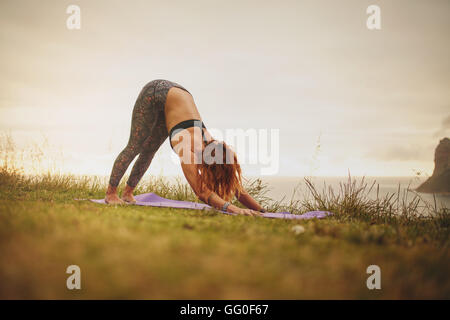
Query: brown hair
[[223, 178]]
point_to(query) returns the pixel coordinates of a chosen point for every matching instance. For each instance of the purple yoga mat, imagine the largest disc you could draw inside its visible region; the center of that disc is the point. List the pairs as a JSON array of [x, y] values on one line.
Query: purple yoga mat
[[153, 200]]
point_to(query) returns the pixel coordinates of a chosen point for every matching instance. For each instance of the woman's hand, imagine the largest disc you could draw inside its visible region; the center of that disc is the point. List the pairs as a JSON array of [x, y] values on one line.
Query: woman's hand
[[248, 201], [247, 212]]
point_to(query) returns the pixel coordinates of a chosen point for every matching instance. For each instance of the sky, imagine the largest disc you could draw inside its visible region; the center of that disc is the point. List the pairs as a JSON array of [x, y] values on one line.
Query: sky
[[342, 97]]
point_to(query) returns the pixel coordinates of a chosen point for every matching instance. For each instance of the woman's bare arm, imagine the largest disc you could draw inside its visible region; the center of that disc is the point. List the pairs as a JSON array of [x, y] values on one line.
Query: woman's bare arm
[[208, 196], [248, 201]]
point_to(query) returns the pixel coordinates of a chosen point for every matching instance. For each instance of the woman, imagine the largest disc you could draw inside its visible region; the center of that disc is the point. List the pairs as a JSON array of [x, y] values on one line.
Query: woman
[[166, 109]]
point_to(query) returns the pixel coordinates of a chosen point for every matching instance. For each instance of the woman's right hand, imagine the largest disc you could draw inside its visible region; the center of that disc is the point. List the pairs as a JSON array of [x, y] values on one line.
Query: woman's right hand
[[247, 212]]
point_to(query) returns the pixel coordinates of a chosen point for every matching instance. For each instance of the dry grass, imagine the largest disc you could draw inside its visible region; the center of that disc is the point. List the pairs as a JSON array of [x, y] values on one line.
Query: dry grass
[[161, 253]]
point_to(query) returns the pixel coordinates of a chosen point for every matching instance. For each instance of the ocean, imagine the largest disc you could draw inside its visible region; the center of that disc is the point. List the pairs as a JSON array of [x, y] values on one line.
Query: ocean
[[284, 187]]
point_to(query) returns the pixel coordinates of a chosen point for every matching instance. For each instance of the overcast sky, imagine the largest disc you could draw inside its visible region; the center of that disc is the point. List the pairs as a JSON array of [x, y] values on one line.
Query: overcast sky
[[377, 100]]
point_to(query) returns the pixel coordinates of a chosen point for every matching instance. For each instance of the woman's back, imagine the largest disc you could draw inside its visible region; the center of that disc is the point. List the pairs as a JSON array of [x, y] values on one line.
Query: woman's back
[[180, 106]]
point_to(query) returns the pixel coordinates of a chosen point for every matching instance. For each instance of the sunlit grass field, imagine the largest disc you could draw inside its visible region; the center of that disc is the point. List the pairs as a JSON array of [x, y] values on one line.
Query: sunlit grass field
[[132, 252]]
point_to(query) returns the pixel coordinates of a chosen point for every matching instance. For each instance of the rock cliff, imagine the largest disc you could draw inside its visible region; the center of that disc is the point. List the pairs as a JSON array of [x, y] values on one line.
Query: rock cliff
[[439, 182]]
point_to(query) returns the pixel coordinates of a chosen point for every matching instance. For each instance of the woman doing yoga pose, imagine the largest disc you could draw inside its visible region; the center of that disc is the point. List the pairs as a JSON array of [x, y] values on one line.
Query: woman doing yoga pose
[[166, 109]]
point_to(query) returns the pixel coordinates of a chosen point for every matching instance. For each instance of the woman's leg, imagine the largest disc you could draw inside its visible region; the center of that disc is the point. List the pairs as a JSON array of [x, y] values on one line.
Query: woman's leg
[[158, 135], [140, 130], [123, 161]]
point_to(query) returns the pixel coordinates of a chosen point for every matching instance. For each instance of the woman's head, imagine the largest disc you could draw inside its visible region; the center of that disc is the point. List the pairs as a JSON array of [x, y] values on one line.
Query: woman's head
[[219, 170]]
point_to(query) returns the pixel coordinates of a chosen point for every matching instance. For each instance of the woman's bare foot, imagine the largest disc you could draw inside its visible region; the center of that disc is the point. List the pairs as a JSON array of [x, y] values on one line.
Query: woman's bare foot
[[127, 195], [128, 198], [112, 197]]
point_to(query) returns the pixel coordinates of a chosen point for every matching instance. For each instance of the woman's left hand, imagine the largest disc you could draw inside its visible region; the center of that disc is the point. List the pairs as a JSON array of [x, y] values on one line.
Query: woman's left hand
[[249, 212]]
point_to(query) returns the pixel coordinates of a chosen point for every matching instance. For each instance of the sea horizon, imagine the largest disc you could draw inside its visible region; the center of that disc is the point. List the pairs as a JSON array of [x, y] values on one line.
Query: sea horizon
[[287, 188]]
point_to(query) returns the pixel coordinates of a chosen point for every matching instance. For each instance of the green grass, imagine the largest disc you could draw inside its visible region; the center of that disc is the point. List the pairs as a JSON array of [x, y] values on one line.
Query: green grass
[[158, 253]]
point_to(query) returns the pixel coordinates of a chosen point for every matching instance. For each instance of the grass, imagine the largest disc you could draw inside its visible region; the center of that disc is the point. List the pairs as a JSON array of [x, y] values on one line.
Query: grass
[[160, 253]]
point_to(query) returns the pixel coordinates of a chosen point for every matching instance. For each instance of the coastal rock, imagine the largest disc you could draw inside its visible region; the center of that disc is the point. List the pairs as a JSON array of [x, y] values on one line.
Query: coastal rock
[[439, 182]]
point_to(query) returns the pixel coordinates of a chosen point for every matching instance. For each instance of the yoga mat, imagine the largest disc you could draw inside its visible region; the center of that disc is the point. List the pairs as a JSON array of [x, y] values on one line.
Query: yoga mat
[[153, 200]]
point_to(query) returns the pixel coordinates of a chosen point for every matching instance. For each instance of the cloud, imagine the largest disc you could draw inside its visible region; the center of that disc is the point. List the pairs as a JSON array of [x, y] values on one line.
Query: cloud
[[400, 153]]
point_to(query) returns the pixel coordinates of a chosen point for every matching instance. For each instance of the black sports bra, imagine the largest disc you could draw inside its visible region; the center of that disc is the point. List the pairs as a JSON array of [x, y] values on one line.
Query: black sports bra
[[187, 124]]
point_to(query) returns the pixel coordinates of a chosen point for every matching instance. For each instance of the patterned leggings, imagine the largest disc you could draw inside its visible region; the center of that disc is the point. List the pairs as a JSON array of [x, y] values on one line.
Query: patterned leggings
[[148, 132]]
